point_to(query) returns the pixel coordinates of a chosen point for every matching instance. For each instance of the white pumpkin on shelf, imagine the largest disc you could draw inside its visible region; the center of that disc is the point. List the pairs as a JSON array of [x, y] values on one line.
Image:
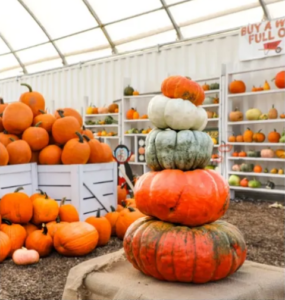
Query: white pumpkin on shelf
[[177, 114]]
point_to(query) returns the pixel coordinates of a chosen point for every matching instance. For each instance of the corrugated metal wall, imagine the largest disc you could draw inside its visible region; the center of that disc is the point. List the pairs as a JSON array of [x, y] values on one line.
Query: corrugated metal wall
[[102, 81]]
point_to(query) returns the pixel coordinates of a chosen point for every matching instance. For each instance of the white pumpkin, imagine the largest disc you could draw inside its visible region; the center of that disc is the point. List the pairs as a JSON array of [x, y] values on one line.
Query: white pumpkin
[[176, 114]]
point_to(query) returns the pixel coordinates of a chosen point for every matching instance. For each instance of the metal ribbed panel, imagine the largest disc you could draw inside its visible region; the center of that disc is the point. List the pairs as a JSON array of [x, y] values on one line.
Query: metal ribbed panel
[[102, 81]]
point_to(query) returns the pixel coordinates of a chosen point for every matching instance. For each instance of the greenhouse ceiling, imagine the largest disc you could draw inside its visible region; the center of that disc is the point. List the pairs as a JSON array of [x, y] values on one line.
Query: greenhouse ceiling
[[37, 35]]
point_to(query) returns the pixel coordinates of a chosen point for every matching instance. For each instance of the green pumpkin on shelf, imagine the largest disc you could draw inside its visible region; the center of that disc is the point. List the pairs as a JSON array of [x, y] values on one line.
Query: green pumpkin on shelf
[[128, 91]]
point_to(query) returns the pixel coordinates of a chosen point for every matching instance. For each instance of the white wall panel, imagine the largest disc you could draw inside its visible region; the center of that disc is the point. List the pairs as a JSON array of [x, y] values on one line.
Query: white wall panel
[[102, 81]]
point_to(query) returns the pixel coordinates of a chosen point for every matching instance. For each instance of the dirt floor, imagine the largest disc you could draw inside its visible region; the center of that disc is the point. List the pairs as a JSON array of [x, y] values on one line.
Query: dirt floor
[[262, 227]]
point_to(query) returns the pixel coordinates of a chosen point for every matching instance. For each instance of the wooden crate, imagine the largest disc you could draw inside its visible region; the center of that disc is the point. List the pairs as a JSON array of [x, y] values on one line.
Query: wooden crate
[[14, 176], [89, 187]]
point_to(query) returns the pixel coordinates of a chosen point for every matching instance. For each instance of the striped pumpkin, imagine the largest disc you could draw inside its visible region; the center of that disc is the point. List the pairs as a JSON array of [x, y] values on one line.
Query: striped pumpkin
[[178, 253], [189, 198], [184, 150]]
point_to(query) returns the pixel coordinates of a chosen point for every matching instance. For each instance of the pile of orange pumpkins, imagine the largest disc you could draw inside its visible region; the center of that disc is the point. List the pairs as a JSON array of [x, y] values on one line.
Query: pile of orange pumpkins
[[29, 134], [182, 238], [31, 227]]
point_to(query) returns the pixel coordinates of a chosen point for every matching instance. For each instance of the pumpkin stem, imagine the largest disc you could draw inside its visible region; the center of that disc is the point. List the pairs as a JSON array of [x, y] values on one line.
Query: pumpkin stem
[[38, 124], [83, 127], [28, 86], [41, 191], [86, 137], [61, 113], [46, 196], [18, 189], [7, 222], [62, 201], [1, 115], [124, 204], [11, 139], [131, 209], [45, 230], [81, 140], [42, 111], [123, 185], [2, 101], [57, 220], [98, 213], [188, 77], [112, 208], [5, 132]]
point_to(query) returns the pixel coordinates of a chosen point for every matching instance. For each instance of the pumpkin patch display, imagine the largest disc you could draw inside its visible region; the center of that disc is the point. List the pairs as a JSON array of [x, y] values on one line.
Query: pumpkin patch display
[[176, 114], [183, 150], [179, 87], [207, 253]]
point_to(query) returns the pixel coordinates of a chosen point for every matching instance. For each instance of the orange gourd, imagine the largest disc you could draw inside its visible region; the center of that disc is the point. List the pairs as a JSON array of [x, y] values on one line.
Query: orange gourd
[[237, 86], [244, 182], [235, 154], [121, 193], [242, 154], [130, 114], [280, 80], [54, 226], [248, 136], [274, 136], [232, 139], [136, 115], [257, 169], [258, 137], [239, 139], [29, 227], [41, 194], [87, 132]]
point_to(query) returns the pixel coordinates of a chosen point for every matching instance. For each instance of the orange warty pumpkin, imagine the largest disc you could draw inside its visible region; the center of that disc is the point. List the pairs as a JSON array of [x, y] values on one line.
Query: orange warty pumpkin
[[17, 117], [5, 138], [40, 241], [103, 227], [33, 99], [19, 152], [179, 253], [76, 151], [127, 216], [5, 245], [50, 155], [183, 88], [112, 217], [76, 239], [16, 207], [65, 128], [68, 212], [54, 226], [46, 120], [183, 197], [237, 86], [36, 137], [69, 112], [16, 233], [45, 210], [4, 155]]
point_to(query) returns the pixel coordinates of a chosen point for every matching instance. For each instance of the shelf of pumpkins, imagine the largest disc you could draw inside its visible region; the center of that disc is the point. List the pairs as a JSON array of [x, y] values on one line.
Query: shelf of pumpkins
[[256, 134]]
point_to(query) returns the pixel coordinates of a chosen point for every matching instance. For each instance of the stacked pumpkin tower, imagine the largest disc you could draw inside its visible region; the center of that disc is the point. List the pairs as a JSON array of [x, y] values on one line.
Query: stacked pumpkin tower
[[182, 238]]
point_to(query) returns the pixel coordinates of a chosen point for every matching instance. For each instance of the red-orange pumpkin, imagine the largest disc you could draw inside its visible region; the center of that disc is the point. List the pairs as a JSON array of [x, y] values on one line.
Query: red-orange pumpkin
[[178, 253], [280, 80], [184, 88], [189, 198]]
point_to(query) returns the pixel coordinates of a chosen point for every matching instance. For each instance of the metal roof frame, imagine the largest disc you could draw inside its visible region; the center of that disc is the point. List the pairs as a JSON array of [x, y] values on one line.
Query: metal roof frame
[[112, 44]]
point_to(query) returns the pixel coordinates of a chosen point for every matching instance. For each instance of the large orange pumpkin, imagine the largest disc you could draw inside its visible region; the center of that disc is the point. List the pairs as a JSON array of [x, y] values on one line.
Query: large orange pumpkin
[[33, 99], [5, 245], [4, 155], [189, 198], [36, 137], [76, 239], [183, 88], [76, 151], [173, 252], [69, 112], [280, 80], [50, 155], [16, 233], [5, 138], [19, 152], [46, 120], [103, 227], [16, 207], [65, 128], [17, 117]]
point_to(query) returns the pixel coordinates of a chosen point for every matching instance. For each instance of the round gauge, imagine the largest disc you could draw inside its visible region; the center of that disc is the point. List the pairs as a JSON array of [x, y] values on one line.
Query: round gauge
[[141, 142], [141, 158]]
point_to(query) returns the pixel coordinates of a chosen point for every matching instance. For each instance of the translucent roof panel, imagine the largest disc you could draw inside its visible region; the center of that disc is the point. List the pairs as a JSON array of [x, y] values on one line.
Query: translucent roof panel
[[88, 56], [223, 23], [7, 61], [47, 65], [11, 73], [18, 28], [196, 9], [3, 47], [87, 40], [149, 41], [112, 10], [46, 51], [145, 24], [276, 10], [62, 17]]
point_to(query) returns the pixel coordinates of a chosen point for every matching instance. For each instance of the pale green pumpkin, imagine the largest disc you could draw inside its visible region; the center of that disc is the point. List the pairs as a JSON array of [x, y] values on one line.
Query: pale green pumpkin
[[183, 150]]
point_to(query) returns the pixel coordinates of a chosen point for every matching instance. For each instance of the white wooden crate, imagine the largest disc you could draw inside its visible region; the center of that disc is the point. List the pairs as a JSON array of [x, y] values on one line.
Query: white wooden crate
[[89, 187], [14, 176]]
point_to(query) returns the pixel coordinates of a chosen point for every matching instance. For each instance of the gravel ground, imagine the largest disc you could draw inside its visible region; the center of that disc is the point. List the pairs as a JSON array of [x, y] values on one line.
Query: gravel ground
[[262, 227]]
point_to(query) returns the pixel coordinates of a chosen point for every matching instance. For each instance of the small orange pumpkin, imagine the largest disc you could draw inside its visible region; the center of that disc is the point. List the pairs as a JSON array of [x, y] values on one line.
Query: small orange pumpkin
[[46, 120], [135, 93], [36, 137], [248, 136], [274, 136], [239, 139], [258, 137], [237, 86], [50, 155], [235, 154], [130, 114], [141, 150], [206, 87], [257, 169], [68, 212], [232, 139], [242, 154], [69, 112], [19, 152]]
